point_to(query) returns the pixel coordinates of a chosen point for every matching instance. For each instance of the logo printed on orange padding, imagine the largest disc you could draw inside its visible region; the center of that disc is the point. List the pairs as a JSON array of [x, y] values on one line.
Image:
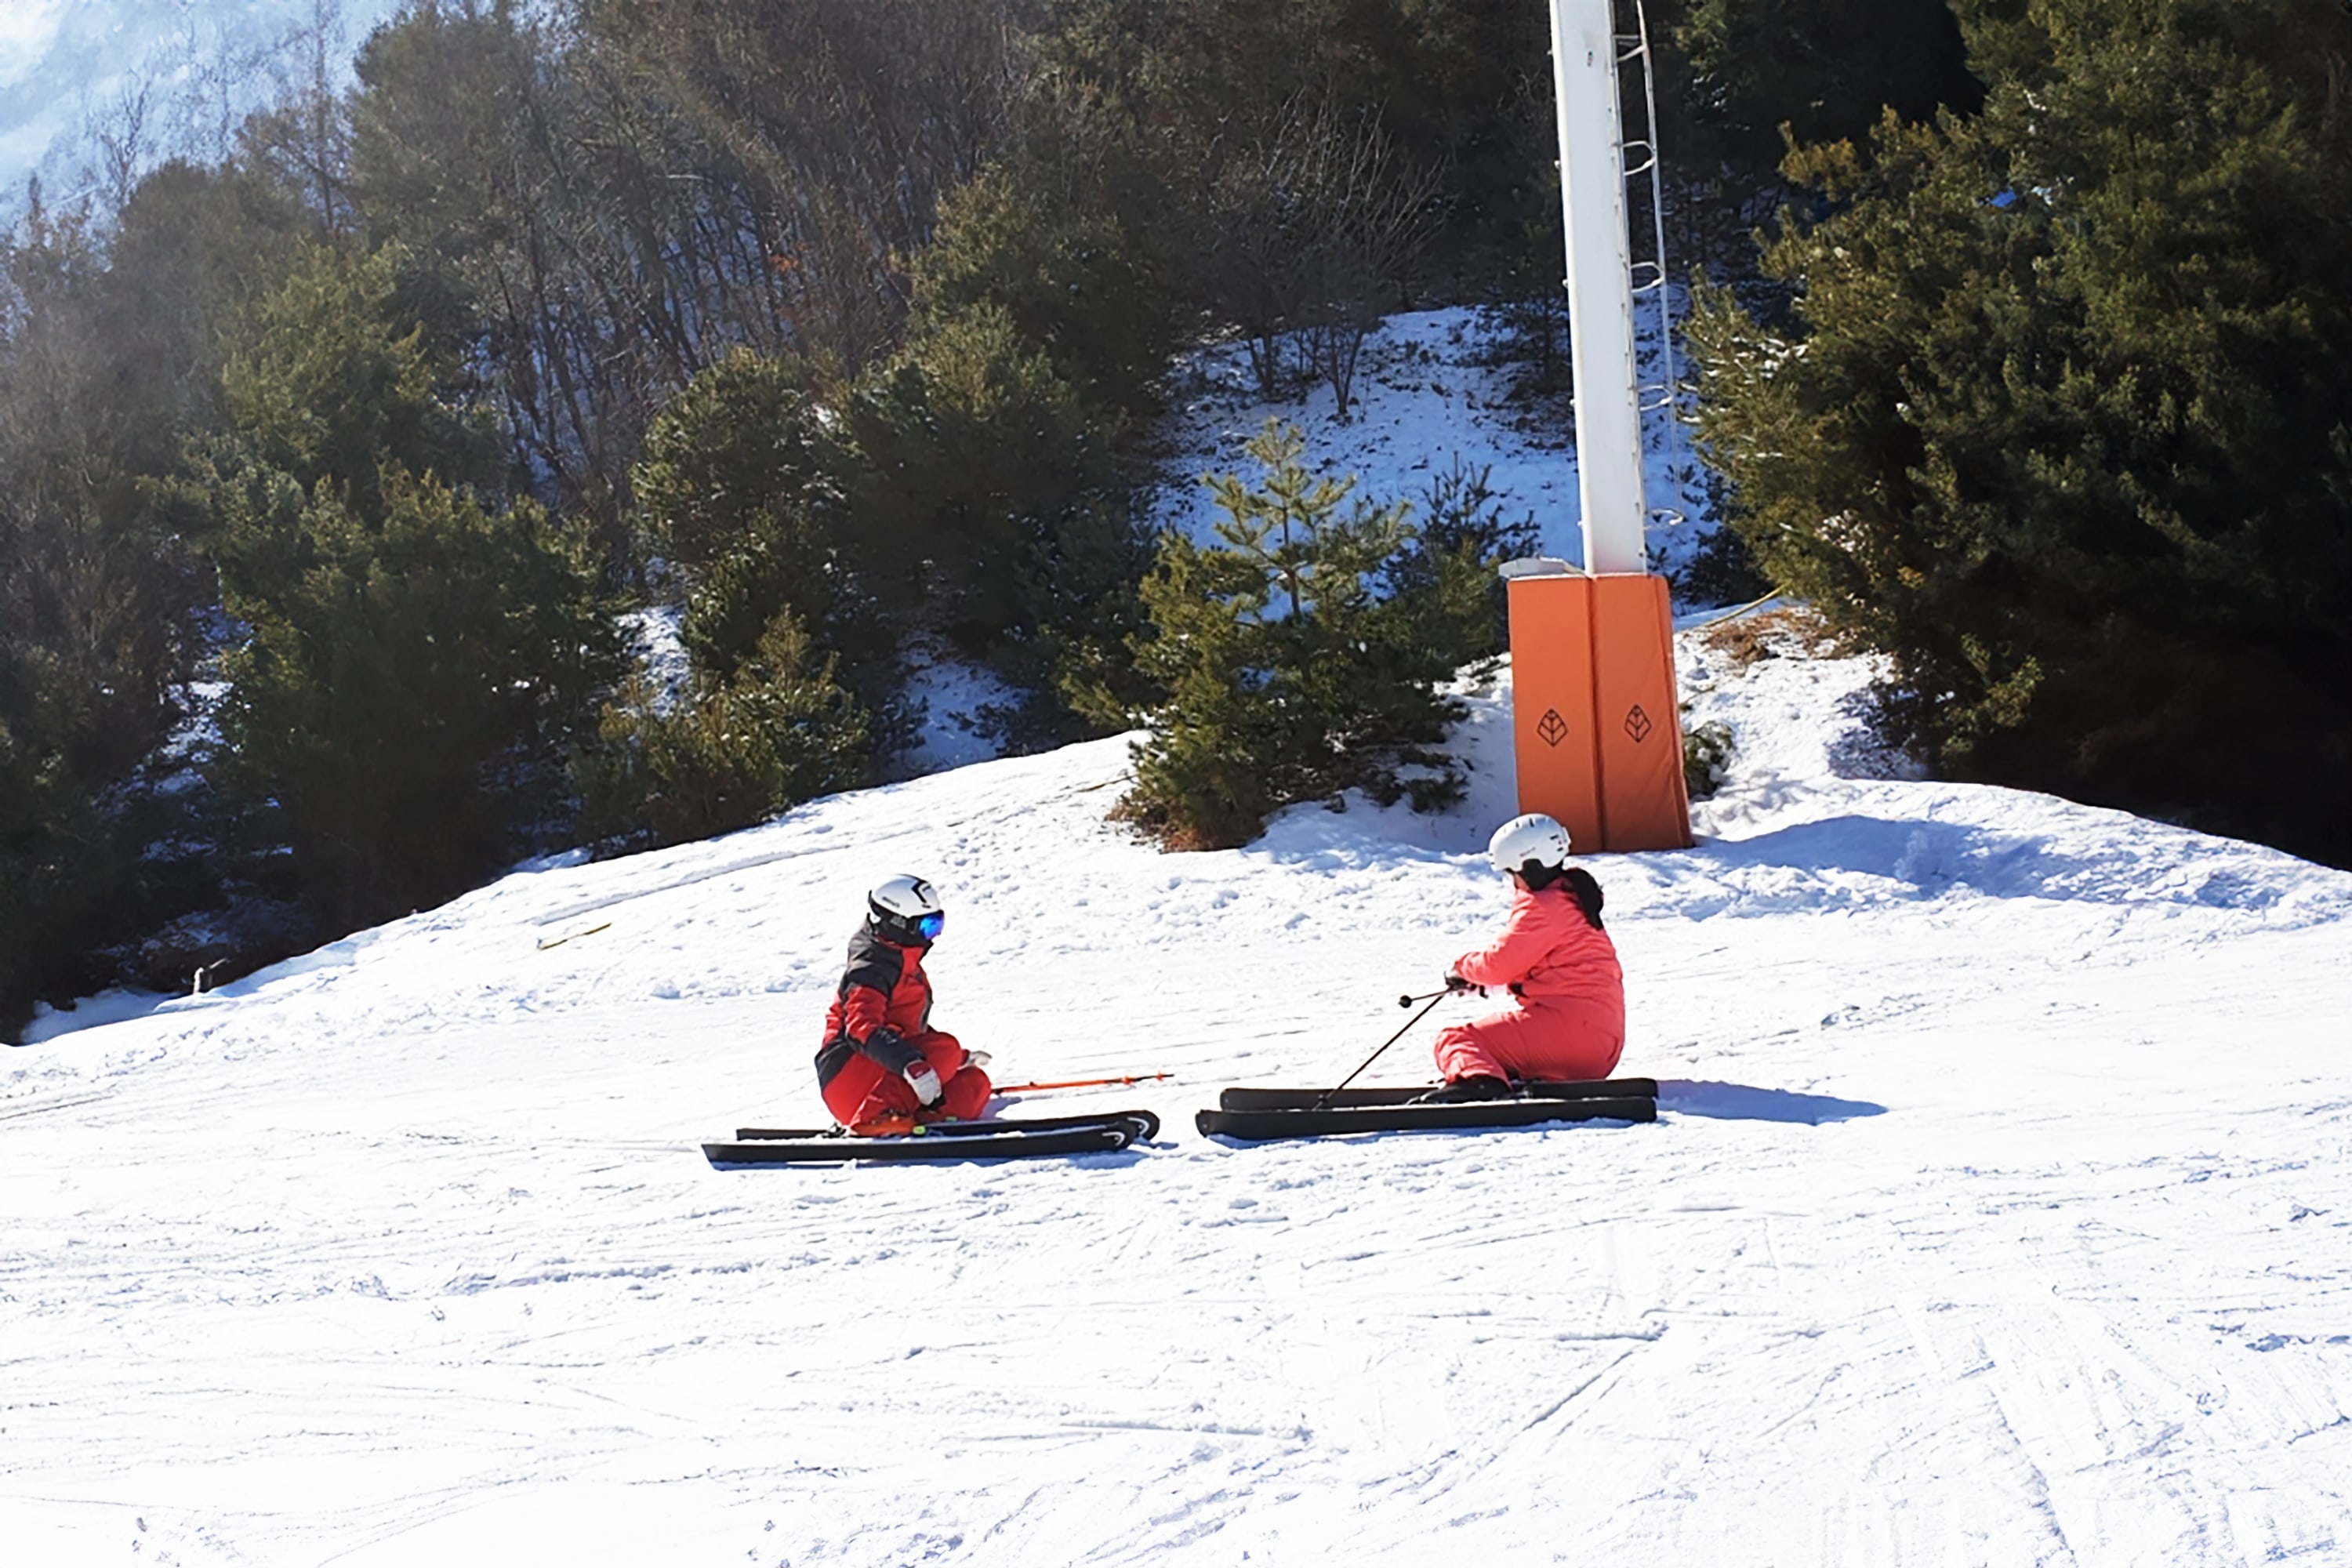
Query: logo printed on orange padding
[[1637, 724], [1552, 727]]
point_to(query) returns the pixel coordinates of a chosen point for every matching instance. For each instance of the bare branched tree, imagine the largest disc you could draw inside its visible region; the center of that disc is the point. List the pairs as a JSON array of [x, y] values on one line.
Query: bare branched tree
[[854, 116], [1313, 227], [120, 133], [1375, 216]]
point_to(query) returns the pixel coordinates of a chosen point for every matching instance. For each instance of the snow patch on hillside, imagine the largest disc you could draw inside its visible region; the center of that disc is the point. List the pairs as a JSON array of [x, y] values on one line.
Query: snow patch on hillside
[[1433, 393], [959, 703]]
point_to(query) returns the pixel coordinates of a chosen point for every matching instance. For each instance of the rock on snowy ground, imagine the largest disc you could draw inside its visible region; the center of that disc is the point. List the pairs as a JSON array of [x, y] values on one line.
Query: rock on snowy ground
[[1997, 1211]]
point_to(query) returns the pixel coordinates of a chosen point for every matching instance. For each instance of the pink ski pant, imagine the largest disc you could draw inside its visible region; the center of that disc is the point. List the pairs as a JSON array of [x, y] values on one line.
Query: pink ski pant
[[1529, 1040]]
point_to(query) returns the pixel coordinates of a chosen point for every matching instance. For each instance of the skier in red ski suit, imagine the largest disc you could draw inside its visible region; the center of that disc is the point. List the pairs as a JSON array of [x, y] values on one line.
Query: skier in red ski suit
[[1567, 1014], [882, 1061]]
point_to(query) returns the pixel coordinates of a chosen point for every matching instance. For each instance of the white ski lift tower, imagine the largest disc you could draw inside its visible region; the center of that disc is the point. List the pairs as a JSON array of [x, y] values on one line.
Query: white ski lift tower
[[1593, 173], [1596, 719]]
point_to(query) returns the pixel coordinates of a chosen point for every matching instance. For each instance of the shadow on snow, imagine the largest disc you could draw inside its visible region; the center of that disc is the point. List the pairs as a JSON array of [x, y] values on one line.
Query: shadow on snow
[[1744, 1102]]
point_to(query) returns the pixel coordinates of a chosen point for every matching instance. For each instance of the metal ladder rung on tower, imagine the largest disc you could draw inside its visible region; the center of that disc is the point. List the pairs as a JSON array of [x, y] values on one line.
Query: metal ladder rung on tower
[[1647, 275]]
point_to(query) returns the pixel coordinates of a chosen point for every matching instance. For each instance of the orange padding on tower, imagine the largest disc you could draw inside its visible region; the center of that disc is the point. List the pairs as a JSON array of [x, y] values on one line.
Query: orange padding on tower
[[1597, 726]]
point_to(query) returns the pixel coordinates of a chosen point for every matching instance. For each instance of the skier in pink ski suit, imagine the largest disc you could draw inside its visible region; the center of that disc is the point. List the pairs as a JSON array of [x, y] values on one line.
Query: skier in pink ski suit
[[1566, 1018]]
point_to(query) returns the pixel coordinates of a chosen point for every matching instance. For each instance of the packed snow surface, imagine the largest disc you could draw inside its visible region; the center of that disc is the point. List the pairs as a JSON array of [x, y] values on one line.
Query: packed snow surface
[[1997, 1211]]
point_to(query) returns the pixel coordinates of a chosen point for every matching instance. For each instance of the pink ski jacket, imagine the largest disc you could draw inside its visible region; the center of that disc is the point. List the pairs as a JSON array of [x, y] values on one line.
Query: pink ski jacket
[[1548, 953]]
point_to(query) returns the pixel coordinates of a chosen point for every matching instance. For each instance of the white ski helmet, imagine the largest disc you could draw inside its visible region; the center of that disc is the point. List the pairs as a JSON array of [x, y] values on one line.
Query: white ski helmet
[[1534, 839], [907, 909]]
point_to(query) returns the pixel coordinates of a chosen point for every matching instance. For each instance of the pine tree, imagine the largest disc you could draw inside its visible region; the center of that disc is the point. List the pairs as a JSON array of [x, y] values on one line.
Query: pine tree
[[1075, 286], [777, 729], [2064, 427], [744, 487], [99, 597], [417, 659], [1819, 70], [1290, 675]]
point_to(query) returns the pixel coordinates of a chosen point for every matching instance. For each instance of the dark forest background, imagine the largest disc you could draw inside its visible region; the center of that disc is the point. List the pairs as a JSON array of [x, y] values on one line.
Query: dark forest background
[[335, 446]]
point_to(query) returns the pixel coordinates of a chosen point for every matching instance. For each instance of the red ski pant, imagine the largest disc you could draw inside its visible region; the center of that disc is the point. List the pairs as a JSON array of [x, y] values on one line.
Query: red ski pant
[[1537, 1039], [864, 1090]]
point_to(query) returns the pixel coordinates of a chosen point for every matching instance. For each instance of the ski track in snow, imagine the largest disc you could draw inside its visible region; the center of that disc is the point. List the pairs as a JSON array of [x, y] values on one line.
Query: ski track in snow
[[1996, 1214]]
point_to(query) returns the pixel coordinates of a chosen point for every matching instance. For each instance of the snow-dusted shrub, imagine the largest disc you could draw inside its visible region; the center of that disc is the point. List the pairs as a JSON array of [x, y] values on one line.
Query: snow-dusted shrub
[[1707, 756]]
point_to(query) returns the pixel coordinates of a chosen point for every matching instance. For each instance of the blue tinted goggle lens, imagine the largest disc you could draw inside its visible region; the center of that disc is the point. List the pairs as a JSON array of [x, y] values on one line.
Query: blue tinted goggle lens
[[931, 925]]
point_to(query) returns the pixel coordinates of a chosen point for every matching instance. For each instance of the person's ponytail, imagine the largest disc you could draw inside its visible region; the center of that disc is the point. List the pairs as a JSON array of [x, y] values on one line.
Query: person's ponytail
[[1587, 893]]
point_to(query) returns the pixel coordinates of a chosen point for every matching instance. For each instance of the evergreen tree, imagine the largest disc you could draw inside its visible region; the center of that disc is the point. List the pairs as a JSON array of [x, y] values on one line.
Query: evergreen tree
[[2066, 428], [778, 729], [744, 487], [999, 489], [1288, 675], [98, 604], [1816, 70], [1023, 472], [1060, 262], [417, 658]]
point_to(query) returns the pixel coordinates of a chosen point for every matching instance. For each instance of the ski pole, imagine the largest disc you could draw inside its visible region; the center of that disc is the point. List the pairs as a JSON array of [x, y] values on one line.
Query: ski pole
[[1325, 1098], [1409, 1001], [1079, 1083]]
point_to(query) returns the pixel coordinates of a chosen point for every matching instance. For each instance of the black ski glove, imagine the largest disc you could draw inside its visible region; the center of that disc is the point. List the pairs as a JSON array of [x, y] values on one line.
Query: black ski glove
[[1456, 985], [889, 1047]]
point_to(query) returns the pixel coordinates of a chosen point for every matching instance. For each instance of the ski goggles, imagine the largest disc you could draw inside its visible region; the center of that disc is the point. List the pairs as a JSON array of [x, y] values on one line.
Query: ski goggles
[[931, 925]]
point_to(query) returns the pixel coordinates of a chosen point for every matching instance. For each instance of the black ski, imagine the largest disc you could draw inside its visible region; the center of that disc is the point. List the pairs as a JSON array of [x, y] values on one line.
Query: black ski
[[986, 1139], [1245, 1099], [1099, 1140], [1260, 1126], [1147, 1126]]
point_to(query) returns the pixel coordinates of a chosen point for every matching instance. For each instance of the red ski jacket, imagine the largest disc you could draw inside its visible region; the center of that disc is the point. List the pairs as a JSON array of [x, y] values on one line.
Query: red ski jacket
[[884, 1002], [1549, 952]]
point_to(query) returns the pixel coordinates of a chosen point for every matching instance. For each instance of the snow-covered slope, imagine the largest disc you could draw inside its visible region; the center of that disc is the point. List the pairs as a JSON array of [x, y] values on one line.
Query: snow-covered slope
[[1998, 1211]]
